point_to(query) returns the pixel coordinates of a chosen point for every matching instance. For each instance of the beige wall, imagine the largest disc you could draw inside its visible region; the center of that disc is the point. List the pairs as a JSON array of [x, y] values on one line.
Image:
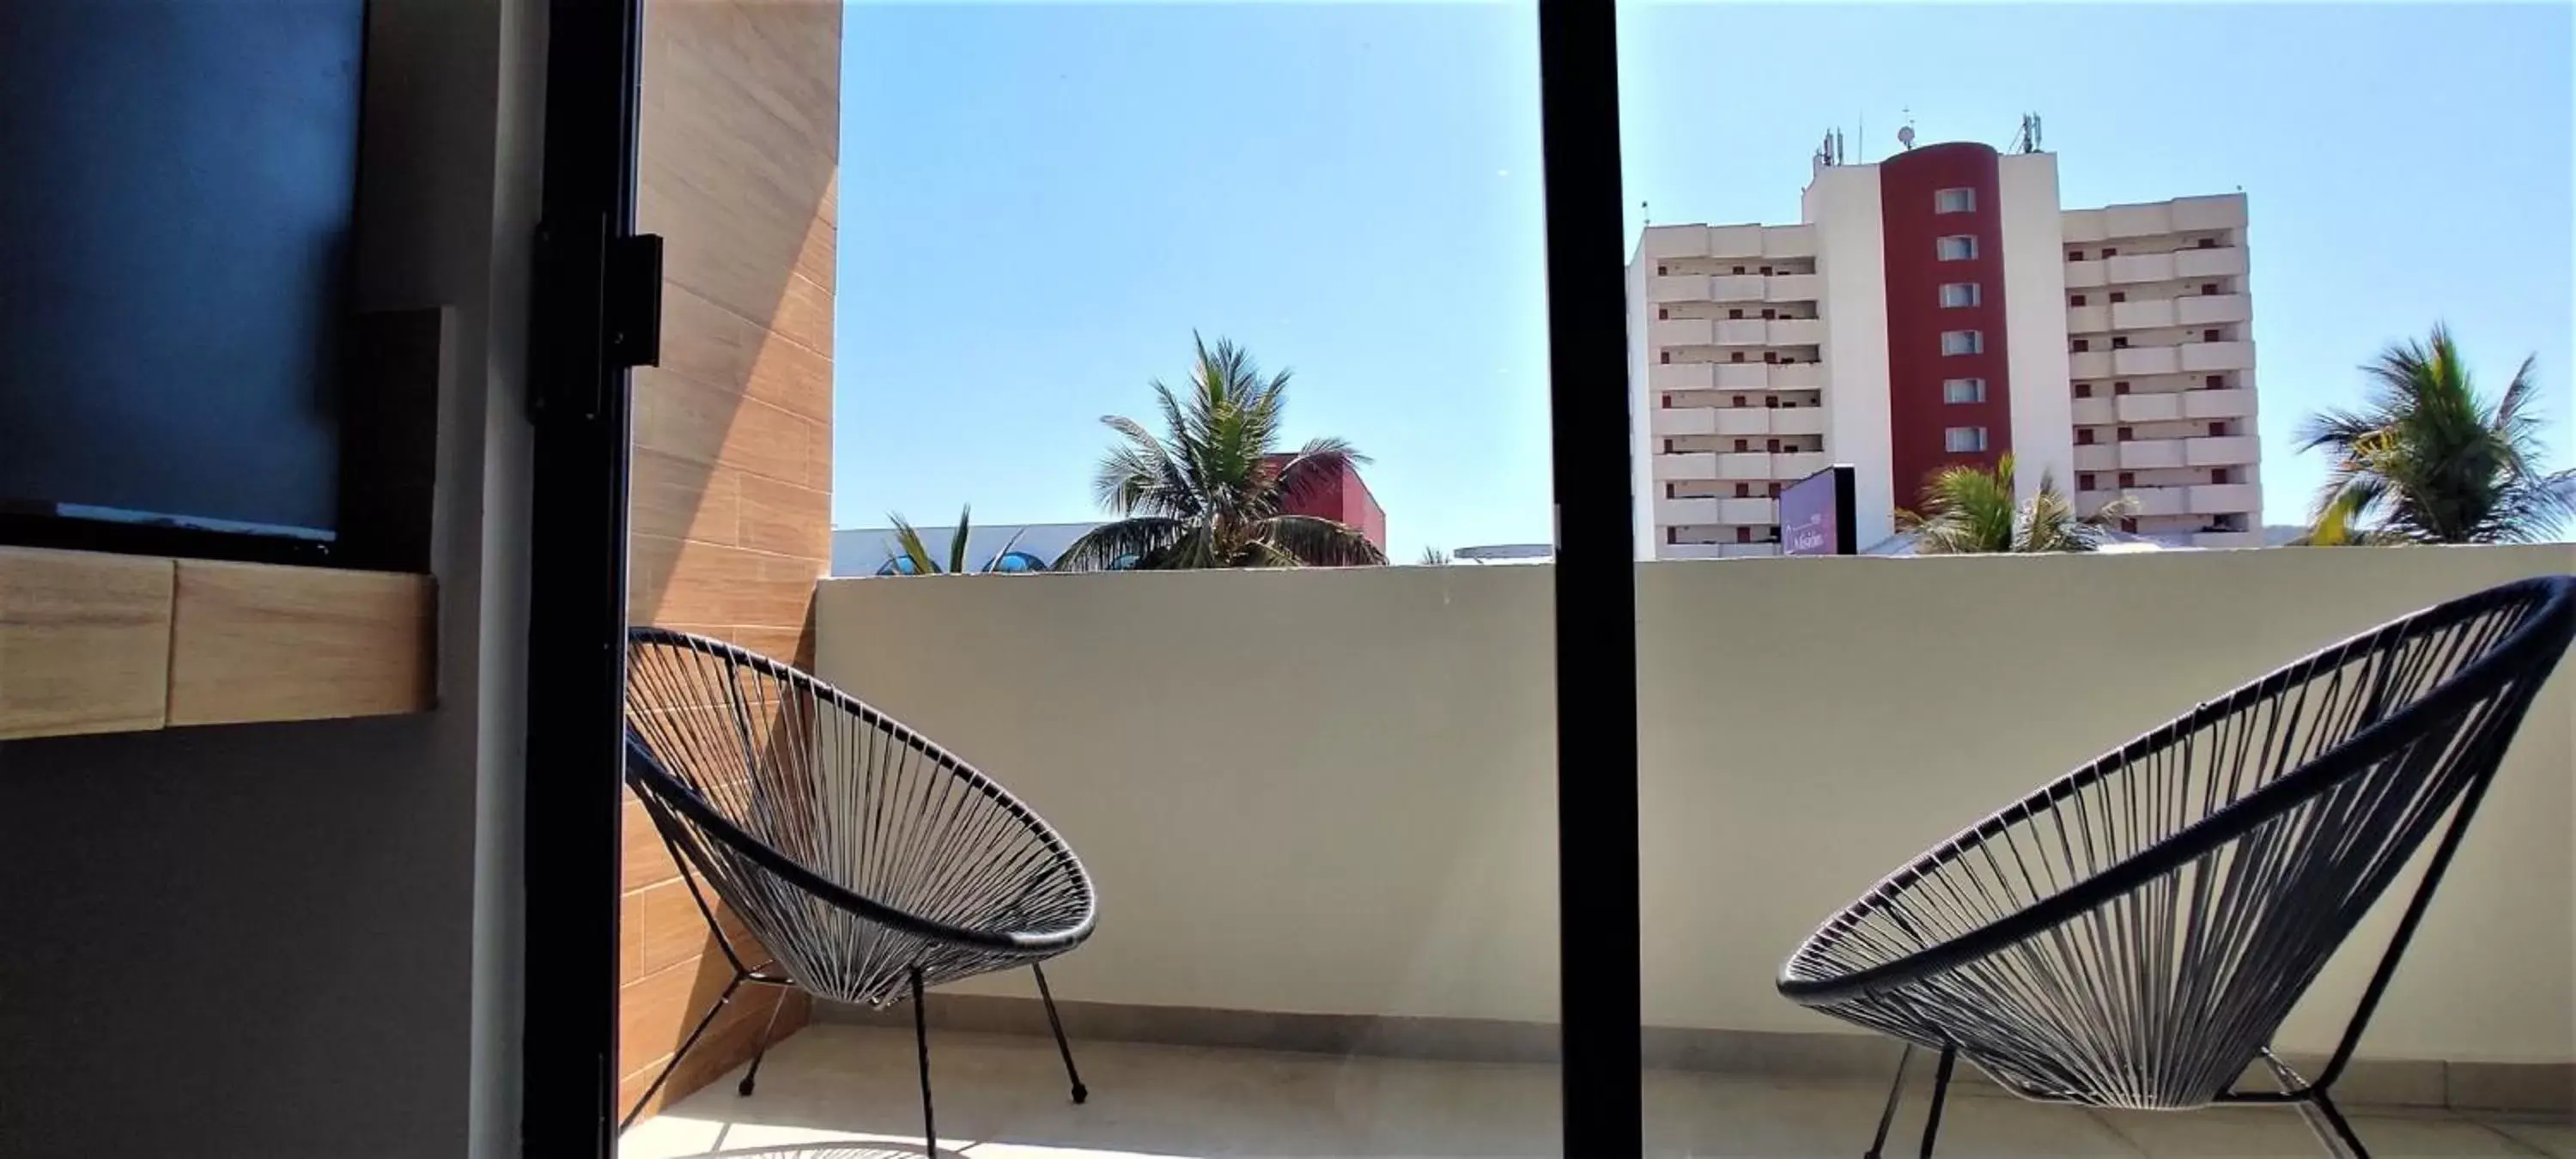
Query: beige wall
[[1333, 791]]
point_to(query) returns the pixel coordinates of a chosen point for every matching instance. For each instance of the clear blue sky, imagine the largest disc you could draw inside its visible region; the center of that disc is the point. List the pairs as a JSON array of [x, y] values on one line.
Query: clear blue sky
[[1040, 203]]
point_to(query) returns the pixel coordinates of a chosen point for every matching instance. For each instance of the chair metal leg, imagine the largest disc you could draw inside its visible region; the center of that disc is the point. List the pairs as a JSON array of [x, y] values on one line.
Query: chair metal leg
[[2343, 1142], [1887, 1117], [921, 1036], [1940, 1092], [761, 1051], [683, 1052], [1081, 1093]]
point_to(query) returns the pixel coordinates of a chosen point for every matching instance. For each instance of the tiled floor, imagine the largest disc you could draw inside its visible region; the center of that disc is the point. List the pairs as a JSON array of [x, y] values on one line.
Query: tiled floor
[[845, 1092]]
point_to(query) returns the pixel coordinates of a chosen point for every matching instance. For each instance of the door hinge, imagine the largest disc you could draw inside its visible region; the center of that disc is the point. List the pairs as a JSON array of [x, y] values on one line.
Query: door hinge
[[599, 310]]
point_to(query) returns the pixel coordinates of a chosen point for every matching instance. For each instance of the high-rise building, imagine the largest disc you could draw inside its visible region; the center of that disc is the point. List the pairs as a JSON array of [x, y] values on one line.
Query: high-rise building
[[1941, 307]]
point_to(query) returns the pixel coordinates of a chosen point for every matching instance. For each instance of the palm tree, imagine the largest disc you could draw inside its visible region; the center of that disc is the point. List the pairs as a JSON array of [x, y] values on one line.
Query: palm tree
[[912, 556], [1434, 557], [1210, 492], [2428, 460], [1969, 510]]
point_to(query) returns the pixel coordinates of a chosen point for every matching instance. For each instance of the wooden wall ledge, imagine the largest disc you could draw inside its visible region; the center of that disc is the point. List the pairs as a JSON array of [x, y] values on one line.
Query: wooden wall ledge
[[112, 643]]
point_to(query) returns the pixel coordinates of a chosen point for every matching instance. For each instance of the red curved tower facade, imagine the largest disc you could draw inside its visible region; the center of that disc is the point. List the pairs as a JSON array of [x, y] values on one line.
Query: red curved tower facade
[[1924, 213]]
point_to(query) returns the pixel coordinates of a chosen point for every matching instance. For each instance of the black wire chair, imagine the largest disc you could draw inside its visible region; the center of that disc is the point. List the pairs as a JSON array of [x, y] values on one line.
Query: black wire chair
[[2133, 934], [869, 863]]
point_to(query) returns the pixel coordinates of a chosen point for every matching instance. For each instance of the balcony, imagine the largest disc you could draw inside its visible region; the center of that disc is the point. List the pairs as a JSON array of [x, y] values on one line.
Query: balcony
[[1798, 332], [1753, 512], [1743, 420], [2218, 404], [2085, 275], [2225, 261], [2143, 501], [1742, 465], [1735, 241], [1797, 376], [2089, 364], [1685, 512], [1743, 332], [1679, 421], [1674, 241], [2130, 269], [2093, 412], [1291, 961], [2088, 319], [2222, 451], [2140, 361], [1683, 332], [2203, 357], [1677, 288], [2151, 314], [1798, 420], [2149, 454], [1743, 376], [1789, 241], [2097, 456], [1682, 376], [2226, 499], [2212, 309], [1736, 287], [1792, 288], [1798, 464], [2148, 408], [1694, 465], [2149, 220]]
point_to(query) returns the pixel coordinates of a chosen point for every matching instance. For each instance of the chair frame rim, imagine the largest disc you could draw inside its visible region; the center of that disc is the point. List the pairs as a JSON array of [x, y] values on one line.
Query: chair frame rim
[[2554, 618], [643, 765]]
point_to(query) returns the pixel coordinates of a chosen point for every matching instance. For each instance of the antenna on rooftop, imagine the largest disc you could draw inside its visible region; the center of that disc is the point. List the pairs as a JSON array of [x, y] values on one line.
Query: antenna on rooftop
[[2028, 141], [1905, 135], [1647, 208]]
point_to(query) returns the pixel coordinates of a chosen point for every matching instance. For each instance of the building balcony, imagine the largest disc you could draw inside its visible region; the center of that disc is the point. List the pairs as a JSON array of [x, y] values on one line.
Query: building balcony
[[1743, 420], [1798, 420], [2151, 314], [1742, 332], [1678, 421], [2222, 451], [1735, 241], [2088, 319], [1743, 376], [2205, 357], [1752, 512], [1798, 464], [1674, 241], [1690, 466], [2224, 261], [2143, 501], [2096, 411], [1682, 376], [1735, 287], [2212, 309], [1683, 332], [2226, 499], [1677, 288], [2150, 454], [2131, 269], [1344, 942], [1691, 512], [2148, 408], [1789, 241], [2140, 361], [1792, 288], [1797, 332], [2218, 404], [1746, 465], [2097, 457], [2085, 275], [1797, 376], [2089, 364]]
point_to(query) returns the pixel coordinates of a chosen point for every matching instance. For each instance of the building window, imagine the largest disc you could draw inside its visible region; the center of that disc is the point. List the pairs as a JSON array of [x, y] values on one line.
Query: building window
[[2075, 299], [1768, 315], [1963, 390], [2214, 382], [1963, 440], [1766, 271], [2129, 524], [2075, 255], [1668, 446], [1957, 247], [1743, 535], [2128, 478], [2083, 436], [2209, 335], [1954, 201], [2084, 482], [1735, 313], [2209, 287], [2118, 296], [1773, 446], [2208, 243], [1739, 269], [1959, 294], [1672, 490], [2119, 343], [1788, 359], [1743, 445], [2121, 387], [1770, 356], [1668, 402], [2217, 430], [1659, 271], [1672, 535], [1963, 342], [1739, 400], [1735, 356], [2219, 475], [1775, 490], [1665, 356], [2108, 252], [2083, 344], [1771, 402], [1662, 314], [2083, 390], [1744, 490], [2127, 433]]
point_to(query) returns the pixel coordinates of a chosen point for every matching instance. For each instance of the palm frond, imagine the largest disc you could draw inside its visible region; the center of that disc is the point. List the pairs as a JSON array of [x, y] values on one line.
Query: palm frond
[[908, 546], [1319, 542], [1126, 542]]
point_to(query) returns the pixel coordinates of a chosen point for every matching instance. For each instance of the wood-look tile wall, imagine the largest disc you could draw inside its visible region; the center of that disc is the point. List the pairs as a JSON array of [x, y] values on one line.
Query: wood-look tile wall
[[731, 507]]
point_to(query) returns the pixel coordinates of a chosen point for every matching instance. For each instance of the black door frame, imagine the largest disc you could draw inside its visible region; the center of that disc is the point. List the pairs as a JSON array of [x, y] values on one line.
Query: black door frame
[[577, 602], [578, 396]]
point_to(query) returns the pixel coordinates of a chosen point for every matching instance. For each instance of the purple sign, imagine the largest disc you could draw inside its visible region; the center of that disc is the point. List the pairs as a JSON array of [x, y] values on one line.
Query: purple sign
[[1815, 514]]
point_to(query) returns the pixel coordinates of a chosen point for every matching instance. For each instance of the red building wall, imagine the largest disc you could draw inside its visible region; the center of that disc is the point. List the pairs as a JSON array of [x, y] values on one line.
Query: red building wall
[[1916, 367], [1346, 500]]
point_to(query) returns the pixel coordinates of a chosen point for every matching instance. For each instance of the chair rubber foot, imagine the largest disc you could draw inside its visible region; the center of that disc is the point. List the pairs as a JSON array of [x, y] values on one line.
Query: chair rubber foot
[[743, 1089], [1081, 1094]]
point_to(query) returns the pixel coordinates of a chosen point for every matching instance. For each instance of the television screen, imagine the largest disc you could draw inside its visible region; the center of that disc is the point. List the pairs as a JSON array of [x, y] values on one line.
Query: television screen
[[174, 230]]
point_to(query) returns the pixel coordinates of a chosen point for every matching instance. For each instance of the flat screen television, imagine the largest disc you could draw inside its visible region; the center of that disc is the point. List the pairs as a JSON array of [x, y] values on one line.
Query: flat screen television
[[175, 227]]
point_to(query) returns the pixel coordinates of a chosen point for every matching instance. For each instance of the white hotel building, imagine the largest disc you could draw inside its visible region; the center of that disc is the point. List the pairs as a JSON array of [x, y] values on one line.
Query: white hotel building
[[1940, 307]]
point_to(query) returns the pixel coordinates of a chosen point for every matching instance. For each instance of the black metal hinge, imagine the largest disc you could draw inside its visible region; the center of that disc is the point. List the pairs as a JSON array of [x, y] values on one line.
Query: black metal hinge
[[599, 310]]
